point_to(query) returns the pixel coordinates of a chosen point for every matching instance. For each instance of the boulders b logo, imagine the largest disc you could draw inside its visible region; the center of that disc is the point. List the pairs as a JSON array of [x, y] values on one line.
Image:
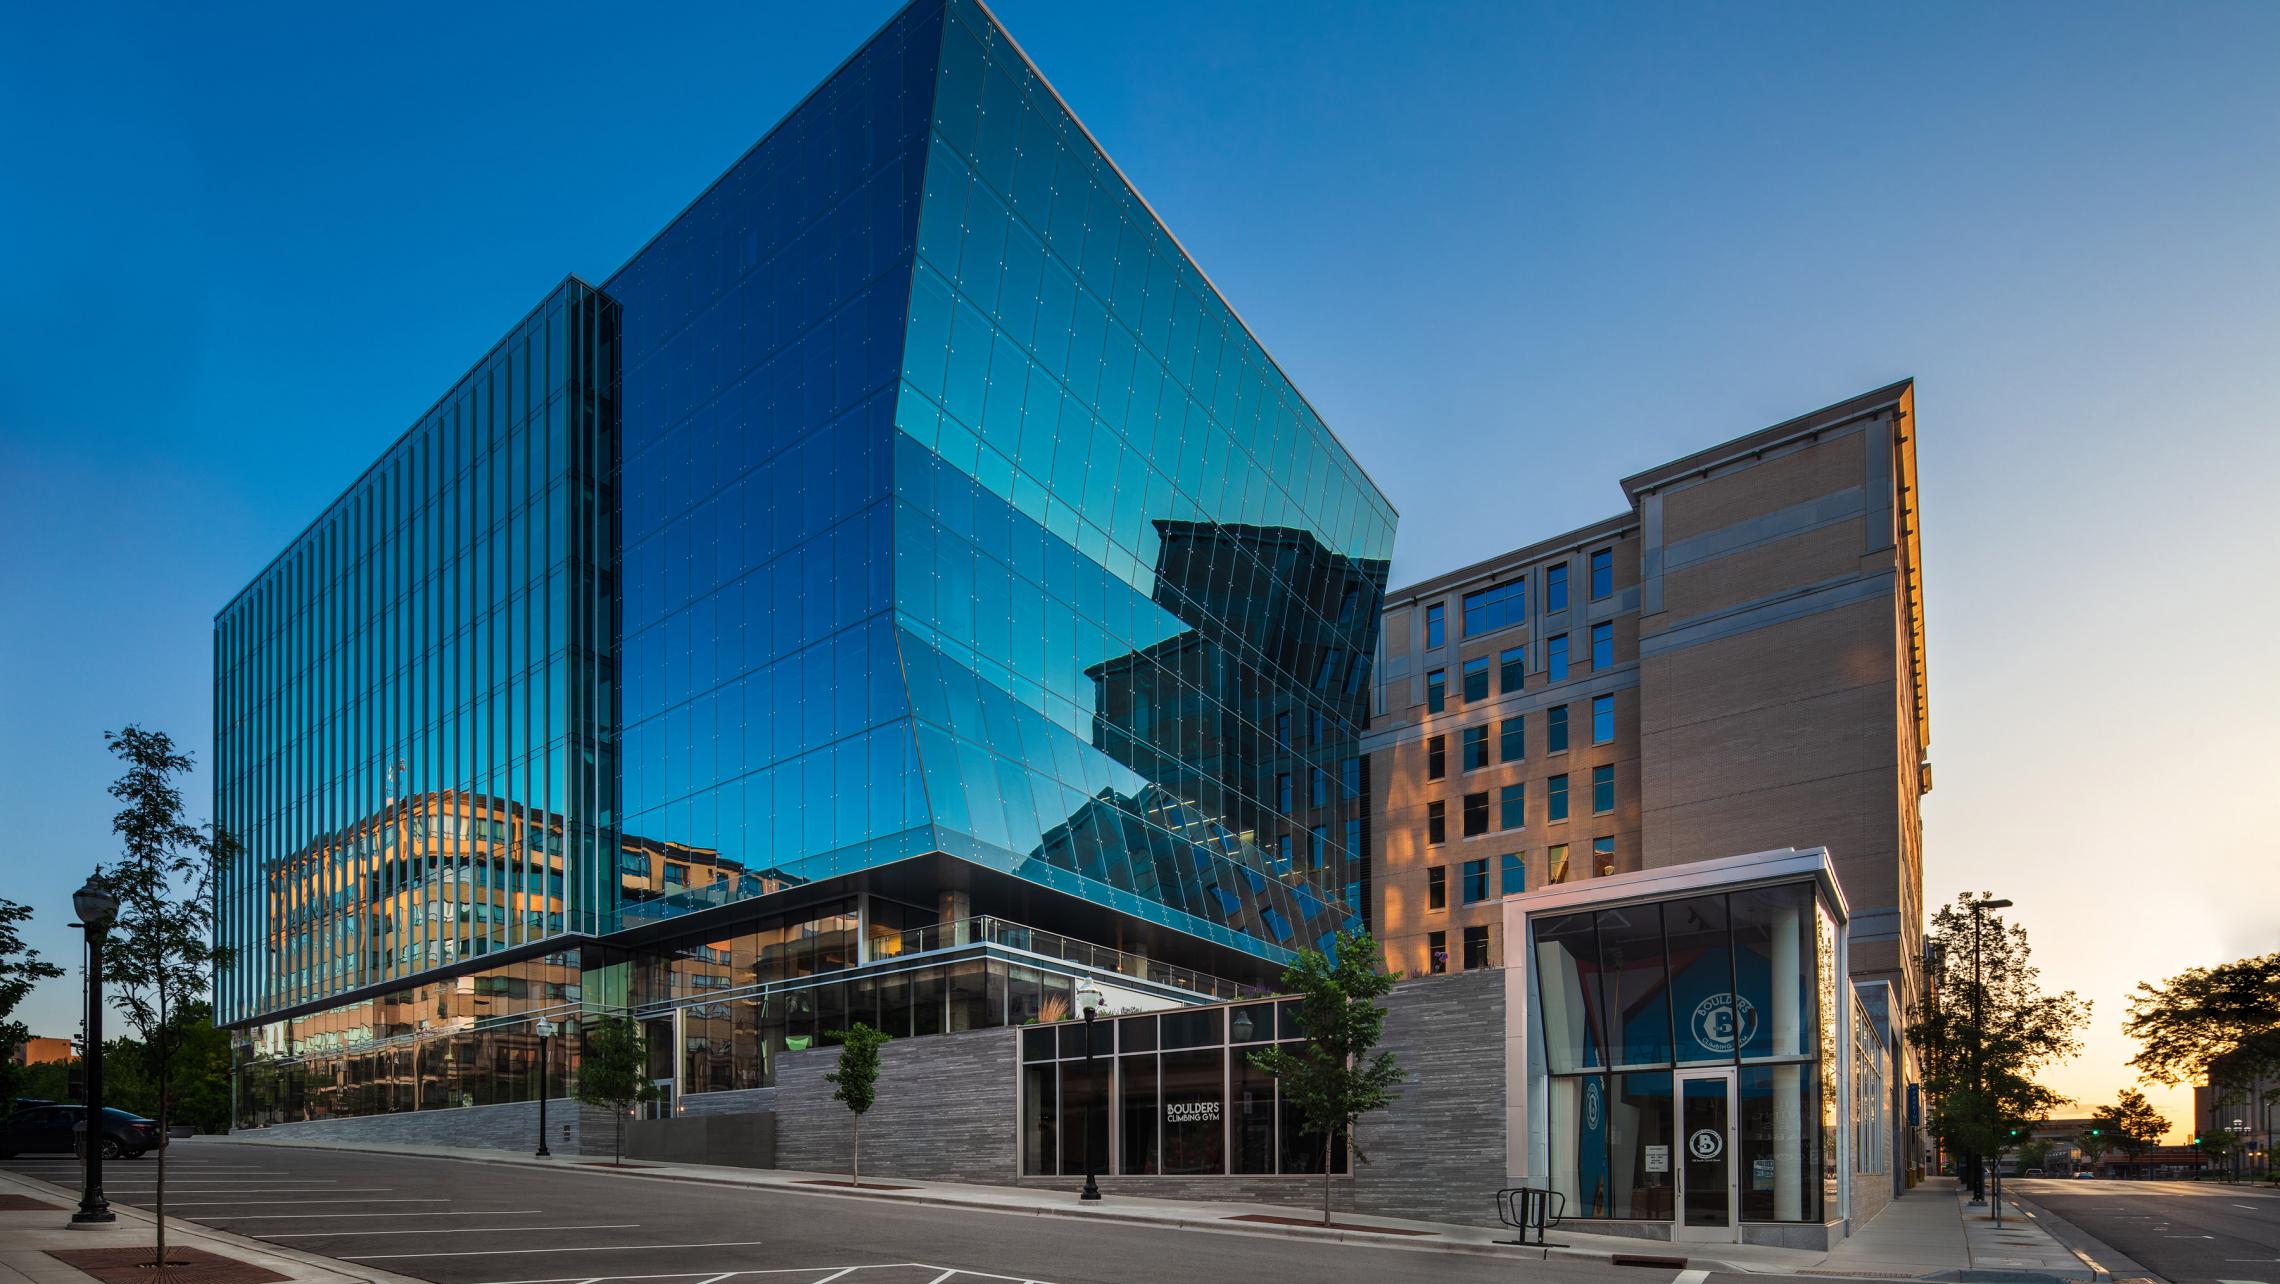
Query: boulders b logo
[[1724, 1022], [1591, 1104], [1705, 1144]]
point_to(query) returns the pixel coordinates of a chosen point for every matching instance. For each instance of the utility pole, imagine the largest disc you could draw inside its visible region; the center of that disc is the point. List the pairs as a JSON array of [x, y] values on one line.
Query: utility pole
[[1979, 1054]]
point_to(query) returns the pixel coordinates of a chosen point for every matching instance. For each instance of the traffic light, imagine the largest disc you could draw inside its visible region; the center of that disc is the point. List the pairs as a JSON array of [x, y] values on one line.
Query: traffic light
[[2097, 1132]]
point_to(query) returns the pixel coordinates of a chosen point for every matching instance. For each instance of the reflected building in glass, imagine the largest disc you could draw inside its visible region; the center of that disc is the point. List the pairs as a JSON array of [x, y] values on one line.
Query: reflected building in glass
[[902, 589]]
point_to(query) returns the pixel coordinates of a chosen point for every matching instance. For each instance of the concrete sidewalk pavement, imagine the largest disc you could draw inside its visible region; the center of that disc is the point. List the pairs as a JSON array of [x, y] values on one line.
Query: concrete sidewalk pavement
[[27, 1234], [1923, 1233]]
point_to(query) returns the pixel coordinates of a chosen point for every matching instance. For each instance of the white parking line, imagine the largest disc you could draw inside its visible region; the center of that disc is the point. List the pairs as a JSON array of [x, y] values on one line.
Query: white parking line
[[457, 1230], [1691, 1277], [264, 1203], [571, 1248], [494, 1212]]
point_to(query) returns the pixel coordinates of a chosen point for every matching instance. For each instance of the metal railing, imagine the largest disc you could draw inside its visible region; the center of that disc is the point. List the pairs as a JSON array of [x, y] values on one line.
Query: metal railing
[[988, 930]]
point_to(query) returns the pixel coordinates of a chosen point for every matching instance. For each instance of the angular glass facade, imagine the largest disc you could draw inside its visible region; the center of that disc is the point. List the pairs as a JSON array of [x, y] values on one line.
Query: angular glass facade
[[908, 533]]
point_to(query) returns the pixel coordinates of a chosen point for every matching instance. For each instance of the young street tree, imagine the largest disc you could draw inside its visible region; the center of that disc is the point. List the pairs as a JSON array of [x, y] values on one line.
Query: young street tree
[[21, 968], [1332, 1078], [613, 1072], [1985, 1030], [856, 1082], [2131, 1125], [160, 955]]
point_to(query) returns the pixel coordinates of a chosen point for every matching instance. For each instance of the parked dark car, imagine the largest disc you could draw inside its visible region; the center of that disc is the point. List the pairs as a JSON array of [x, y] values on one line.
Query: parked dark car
[[52, 1129]]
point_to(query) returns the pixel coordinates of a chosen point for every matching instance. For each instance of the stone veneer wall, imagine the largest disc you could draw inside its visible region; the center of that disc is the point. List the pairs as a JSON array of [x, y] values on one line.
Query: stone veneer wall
[[945, 1110], [572, 1128]]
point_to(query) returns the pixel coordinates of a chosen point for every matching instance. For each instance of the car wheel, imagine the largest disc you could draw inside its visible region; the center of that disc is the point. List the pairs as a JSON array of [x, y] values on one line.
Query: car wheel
[[111, 1149]]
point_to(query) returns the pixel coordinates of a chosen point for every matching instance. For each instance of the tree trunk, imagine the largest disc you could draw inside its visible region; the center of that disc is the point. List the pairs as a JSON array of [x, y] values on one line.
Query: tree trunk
[[855, 1166], [617, 1155], [1329, 1140]]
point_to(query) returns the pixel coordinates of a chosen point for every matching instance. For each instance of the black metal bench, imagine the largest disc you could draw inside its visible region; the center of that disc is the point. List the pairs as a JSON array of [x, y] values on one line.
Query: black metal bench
[[1526, 1208]]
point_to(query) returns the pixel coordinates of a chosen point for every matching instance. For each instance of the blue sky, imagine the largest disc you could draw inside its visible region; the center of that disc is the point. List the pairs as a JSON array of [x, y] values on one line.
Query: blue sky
[[1511, 251]]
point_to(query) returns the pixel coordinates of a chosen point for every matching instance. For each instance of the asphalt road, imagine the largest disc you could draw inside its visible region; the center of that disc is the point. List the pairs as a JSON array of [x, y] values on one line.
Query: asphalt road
[[459, 1222], [2183, 1231]]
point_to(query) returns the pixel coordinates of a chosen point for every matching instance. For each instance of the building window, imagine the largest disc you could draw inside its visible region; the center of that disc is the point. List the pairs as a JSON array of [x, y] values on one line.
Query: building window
[[1282, 853], [1602, 719], [1476, 947], [1602, 572], [1512, 874], [1555, 798], [1512, 668], [1436, 757], [1495, 608], [1476, 814], [1318, 846], [1282, 730], [1475, 748], [1475, 889], [1476, 679], [1350, 778], [1321, 791], [1602, 856], [1436, 823], [1602, 790], [1555, 863], [1437, 952], [1436, 691], [1317, 727], [1437, 887], [1512, 807], [1556, 658], [1353, 839], [1555, 587], [1556, 729], [1512, 739], [1282, 793], [1603, 646], [1436, 625]]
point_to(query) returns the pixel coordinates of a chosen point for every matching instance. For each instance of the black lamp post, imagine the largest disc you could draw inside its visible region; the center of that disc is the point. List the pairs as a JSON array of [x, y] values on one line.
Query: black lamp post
[[1090, 999], [546, 1030], [1979, 1062], [96, 908]]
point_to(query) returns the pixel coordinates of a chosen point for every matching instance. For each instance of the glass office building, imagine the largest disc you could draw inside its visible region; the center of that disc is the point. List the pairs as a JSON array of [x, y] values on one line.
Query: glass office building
[[902, 587]]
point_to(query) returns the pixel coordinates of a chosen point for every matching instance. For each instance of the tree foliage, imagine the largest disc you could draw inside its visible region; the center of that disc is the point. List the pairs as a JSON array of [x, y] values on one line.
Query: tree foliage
[[2209, 1023], [21, 968], [613, 1071], [1983, 1033], [160, 954], [2131, 1125], [1332, 1078], [856, 1082]]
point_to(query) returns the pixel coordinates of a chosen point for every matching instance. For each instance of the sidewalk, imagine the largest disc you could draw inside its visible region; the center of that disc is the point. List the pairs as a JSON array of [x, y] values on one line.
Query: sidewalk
[[27, 1234], [1920, 1234]]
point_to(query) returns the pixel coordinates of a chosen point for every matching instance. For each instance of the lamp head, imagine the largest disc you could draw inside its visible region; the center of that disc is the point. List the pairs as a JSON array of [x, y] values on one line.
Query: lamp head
[[95, 905], [1988, 905], [1090, 999]]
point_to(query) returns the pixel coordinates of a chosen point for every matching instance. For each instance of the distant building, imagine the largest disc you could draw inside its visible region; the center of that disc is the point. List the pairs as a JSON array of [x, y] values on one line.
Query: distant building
[[40, 1051]]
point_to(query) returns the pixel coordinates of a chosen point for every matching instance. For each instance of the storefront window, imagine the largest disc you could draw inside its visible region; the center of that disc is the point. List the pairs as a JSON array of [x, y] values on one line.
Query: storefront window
[[1631, 949], [1639, 1146], [1774, 960], [1568, 984], [1140, 1115], [1578, 1121], [1084, 1115], [1709, 1024], [1040, 1118], [1780, 1143], [1194, 1087], [1254, 1097]]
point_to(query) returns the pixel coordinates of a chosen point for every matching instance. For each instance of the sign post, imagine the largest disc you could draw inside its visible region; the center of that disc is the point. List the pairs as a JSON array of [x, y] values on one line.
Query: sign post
[[546, 1030]]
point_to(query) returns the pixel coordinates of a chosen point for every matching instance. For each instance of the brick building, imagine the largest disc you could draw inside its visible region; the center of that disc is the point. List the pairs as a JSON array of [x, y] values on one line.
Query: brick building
[[1734, 663]]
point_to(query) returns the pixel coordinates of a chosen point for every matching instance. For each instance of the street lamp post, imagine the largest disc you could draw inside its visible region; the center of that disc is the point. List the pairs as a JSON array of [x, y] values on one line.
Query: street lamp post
[[1091, 1000], [96, 908], [2239, 1131], [1979, 1062], [546, 1030]]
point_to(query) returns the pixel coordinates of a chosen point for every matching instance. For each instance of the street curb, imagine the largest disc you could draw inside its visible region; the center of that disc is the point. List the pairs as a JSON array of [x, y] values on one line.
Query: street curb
[[191, 1231], [2106, 1263], [1391, 1240]]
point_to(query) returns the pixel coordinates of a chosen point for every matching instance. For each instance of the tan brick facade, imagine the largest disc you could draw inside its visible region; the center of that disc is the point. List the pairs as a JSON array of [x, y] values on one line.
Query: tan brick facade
[[1765, 604]]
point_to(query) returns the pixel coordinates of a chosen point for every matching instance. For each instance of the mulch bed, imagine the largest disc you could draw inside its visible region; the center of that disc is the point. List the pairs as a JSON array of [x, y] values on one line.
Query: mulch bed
[[1316, 1222], [833, 1181], [183, 1266], [26, 1204]]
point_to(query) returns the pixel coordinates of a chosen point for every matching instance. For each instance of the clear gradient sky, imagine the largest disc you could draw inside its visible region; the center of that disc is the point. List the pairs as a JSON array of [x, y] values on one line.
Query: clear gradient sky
[[1511, 251]]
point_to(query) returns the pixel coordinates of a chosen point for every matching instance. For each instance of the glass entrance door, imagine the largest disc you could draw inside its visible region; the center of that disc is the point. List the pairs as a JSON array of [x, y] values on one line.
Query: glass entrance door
[[1707, 1191]]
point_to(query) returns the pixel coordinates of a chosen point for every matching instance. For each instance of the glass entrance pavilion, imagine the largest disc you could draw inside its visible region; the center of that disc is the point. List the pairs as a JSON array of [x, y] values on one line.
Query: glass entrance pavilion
[[1679, 1050]]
